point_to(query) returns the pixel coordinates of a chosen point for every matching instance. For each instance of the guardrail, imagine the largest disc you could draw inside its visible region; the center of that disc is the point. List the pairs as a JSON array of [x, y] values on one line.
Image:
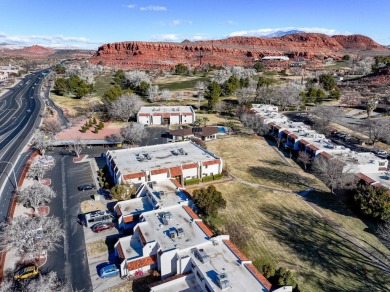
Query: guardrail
[[12, 206]]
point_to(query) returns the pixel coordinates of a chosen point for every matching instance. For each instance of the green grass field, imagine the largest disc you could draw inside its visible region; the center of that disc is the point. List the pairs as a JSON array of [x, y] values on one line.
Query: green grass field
[[102, 83], [184, 84]]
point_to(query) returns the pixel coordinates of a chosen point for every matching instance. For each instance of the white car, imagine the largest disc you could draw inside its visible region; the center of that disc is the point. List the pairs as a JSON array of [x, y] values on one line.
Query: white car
[[380, 152]]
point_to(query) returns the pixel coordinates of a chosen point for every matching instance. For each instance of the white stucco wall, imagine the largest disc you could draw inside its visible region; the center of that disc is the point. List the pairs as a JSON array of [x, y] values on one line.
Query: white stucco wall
[[190, 172]]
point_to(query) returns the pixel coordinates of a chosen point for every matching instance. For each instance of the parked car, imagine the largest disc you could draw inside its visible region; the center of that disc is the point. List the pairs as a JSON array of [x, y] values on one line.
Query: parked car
[[380, 152], [26, 272], [86, 187], [109, 271], [102, 226]]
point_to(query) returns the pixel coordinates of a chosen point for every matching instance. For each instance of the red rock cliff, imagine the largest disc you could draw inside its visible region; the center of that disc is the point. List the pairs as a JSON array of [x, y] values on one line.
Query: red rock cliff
[[231, 51]]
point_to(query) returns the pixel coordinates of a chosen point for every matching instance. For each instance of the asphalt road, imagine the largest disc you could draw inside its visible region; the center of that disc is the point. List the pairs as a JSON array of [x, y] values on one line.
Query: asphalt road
[[20, 110]]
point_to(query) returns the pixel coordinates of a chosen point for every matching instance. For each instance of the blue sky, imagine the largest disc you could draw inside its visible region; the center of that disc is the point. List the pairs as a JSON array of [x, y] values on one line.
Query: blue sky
[[90, 23]]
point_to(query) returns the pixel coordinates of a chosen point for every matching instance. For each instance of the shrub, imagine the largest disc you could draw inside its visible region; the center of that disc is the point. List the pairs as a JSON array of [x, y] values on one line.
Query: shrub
[[96, 130], [192, 181], [265, 266], [101, 125], [217, 176], [207, 178], [208, 201], [94, 121], [83, 129]]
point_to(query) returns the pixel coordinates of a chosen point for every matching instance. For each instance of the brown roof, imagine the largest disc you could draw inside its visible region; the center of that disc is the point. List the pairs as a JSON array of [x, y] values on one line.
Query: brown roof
[[192, 165], [304, 142], [134, 175], [144, 115], [205, 131], [365, 178], [143, 262], [235, 250], [128, 219], [286, 132], [382, 168], [177, 276], [259, 276], [277, 127], [176, 171], [118, 210], [181, 132], [204, 228], [190, 212], [159, 171], [120, 251], [211, 162], [326, 154], [293, 136], [176, 183], [312, 147]]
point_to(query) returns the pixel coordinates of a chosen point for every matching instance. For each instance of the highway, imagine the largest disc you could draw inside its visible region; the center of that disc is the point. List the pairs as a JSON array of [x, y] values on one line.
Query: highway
[[20, 111]]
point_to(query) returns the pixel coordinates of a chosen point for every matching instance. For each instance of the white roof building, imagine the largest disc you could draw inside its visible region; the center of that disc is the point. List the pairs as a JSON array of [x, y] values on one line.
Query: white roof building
[[166, 115], [151, 196], [181, 160]]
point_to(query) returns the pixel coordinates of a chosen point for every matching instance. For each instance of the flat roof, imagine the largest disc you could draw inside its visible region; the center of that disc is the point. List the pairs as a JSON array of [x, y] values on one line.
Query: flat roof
[[187, 283], [153, 229], [131, 246], [360, 158], [172, 196], [161, 157], [165, 109], [223, 260], [380, 177]]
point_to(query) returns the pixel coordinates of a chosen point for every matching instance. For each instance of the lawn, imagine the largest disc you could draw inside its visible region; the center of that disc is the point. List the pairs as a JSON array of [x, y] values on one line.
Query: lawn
[[179, 82], [284, 228], [103, 83], [252, 160], [96, 247], [72, 106]]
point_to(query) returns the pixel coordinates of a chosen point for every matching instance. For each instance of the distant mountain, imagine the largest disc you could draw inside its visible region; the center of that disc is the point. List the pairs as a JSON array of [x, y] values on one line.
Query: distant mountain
[[9, 46], [281, 33]]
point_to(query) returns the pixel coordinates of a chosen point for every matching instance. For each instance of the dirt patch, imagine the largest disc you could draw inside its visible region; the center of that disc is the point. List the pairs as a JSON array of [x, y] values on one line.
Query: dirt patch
[[91, 205]]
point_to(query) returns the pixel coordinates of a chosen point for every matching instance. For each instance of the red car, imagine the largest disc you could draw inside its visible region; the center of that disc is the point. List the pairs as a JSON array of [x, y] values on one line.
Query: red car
[[102, 226]]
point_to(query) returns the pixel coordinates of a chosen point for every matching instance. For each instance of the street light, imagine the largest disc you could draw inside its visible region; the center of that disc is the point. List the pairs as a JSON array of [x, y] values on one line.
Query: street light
[[16, 182]]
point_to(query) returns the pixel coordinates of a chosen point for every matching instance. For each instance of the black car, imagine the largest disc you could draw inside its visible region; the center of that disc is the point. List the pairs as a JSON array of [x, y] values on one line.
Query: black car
[[86, 187]]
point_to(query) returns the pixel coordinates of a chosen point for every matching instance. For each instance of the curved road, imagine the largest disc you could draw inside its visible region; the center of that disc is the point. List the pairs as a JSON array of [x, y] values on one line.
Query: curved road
[[20, 110]]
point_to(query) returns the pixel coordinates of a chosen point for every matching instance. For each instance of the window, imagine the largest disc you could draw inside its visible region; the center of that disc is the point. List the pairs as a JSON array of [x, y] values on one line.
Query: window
[[139, 178], [382, 163]]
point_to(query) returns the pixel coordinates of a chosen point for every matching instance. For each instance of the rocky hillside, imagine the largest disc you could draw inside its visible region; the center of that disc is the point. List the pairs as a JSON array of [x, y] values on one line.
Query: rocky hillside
[[231, 51]]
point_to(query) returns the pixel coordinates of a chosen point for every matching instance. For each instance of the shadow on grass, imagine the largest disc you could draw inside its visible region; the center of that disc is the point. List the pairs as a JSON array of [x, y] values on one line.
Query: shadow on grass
[[284, 178], [142, 284], [340, 264]]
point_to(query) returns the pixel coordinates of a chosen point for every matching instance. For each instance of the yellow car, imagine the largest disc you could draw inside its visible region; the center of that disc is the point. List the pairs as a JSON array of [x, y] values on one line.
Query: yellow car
[[26, 272]]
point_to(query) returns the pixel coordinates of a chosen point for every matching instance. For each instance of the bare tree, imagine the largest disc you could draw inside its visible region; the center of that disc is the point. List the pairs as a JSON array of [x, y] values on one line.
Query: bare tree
[[371, 104], [29, 237], [378, 129], [78, 145], [245, 95], [52, 126], [200, 86], [333, 172], [125, 107], [42, 141], [255, 122], [133, 133], [36, 171], [166, 94], [220, 107], [36, 195], [179, 96], [288, 95], [351, 98], [323, 116], [304, 158], [135, 77], [152, 92], [46, 282]]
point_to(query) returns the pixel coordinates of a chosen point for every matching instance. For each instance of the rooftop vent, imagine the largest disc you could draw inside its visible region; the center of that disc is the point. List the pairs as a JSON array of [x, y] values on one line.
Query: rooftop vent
[[201, 255], [223, 281], [174, 152], [162, 194], [180, 232], [166, 217]]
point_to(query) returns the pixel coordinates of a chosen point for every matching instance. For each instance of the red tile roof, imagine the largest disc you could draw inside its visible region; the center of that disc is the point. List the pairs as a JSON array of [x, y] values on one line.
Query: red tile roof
[[326, 154], [235, 250], [365, 178], [177, 184], [187, 114], [271, 124], [175, 114], [312, 147], [286, 132], [190, 212], [141, 236], [159, 171], [120, 251], [304, 142], [277, 127], [118, 210], [293, 136], [143, 115], [382, 168], [166, 115], [128, 219], [143, 262], [188, 166], [211, 162], [204, 228], [134, 175], [259, 276], [176, 171]]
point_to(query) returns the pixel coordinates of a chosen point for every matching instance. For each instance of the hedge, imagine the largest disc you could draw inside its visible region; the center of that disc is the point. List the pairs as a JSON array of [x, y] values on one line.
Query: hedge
[[207, 178], [193, 181], [217, 176]]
